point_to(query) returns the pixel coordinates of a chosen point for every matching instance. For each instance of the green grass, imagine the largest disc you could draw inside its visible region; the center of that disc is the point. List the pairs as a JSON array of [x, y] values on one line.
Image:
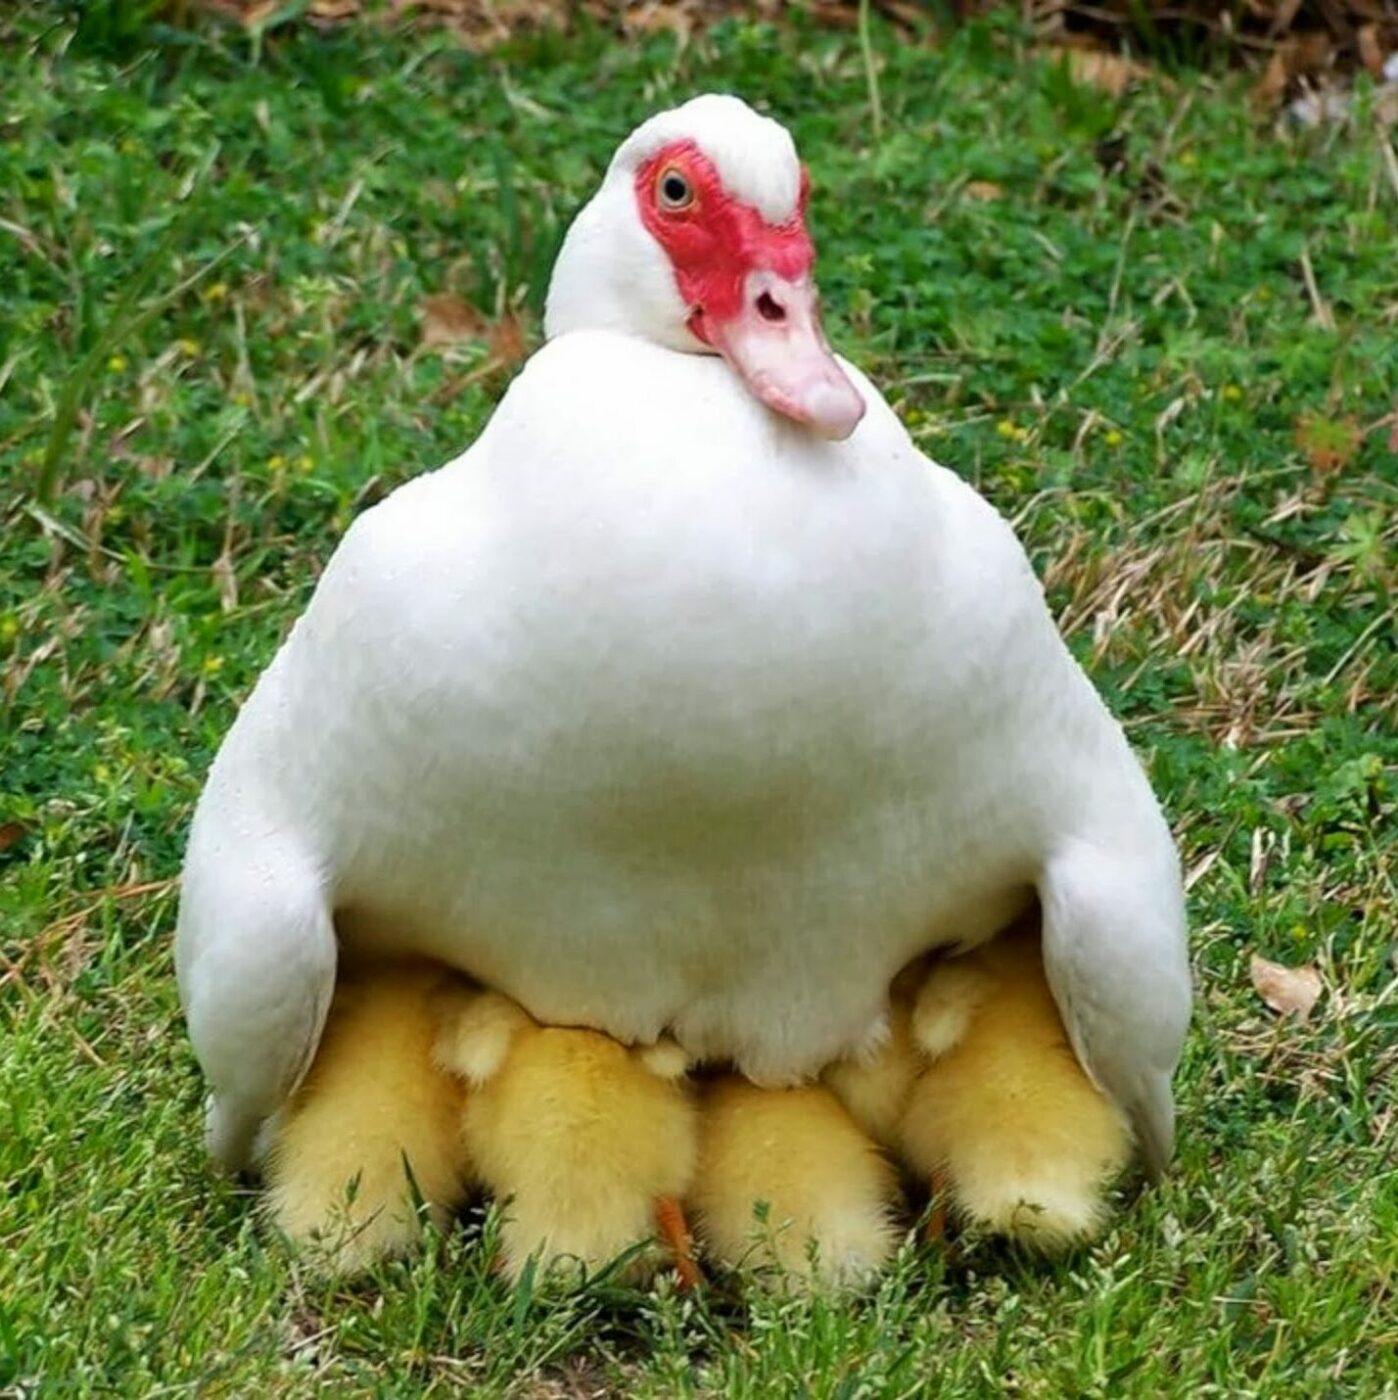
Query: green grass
[[211, 262]]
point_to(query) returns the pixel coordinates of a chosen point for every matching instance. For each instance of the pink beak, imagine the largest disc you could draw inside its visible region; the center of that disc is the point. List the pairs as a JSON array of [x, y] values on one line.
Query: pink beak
[[776, 344]]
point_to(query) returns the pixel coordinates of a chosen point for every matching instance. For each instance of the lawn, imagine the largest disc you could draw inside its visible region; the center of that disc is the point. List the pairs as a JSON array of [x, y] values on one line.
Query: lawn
[[1156, 331]]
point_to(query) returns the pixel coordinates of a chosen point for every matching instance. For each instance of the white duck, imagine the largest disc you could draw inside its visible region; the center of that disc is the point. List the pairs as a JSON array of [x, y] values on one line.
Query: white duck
[[691, 698]]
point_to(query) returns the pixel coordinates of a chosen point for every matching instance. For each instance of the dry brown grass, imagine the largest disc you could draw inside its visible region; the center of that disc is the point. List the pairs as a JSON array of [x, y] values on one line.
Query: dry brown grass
[[1312, 34]]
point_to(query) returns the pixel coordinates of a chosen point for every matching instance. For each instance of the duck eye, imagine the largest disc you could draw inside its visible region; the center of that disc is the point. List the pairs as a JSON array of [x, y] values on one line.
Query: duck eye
[[674, 191]]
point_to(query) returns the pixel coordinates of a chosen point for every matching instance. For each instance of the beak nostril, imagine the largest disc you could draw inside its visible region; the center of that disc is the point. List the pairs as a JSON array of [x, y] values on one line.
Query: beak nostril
[[769, 308]]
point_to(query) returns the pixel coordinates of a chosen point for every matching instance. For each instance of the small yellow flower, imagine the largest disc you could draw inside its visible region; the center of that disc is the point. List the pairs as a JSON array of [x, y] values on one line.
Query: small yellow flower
[[1006, 429], [188, 347], [102, 773], [276, 462], [1187, 157], [1232, 393], [9, 628], [215, 291], [1113, 437], [117, 364], [304, 463], [242, 400], [116, 514], [211, 665]]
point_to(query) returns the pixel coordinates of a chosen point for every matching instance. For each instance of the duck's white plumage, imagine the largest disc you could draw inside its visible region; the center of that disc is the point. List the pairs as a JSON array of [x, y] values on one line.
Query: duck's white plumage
[[656, 711]]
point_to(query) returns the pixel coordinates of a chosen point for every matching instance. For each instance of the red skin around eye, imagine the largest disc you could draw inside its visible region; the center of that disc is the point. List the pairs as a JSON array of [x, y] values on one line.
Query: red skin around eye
[[717, 241]]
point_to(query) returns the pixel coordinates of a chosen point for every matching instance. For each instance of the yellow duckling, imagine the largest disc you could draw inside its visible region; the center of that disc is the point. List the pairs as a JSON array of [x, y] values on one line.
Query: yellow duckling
[[373, 1108], [786, 1180], [980, 1093], [590, 1146], [875, 1087]]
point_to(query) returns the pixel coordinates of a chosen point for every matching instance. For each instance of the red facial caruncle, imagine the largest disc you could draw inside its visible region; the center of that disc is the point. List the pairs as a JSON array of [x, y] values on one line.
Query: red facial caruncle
[[748, 286]]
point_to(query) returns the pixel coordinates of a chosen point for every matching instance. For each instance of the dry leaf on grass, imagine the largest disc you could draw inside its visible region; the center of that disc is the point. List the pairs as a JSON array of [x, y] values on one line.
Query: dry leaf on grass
[[1289, 991], [448, 319], [1328, 444], [1108, 72], [507, 340], [257, 13], [984, 190], [1271, 86], [1283, 16], [1309, 55], [1371, 53], [658, 18], [507, 343], [11, 833]]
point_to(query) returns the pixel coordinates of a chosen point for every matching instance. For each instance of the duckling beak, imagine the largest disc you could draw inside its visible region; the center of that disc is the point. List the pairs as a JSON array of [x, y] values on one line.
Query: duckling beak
[[776, 344]]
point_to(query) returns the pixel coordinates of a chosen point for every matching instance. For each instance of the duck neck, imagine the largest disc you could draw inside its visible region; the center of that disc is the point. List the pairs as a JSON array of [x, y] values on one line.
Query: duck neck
[[612, 275]]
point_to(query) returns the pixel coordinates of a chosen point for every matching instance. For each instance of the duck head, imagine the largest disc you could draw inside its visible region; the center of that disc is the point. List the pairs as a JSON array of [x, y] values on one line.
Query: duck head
[[697, 240]]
